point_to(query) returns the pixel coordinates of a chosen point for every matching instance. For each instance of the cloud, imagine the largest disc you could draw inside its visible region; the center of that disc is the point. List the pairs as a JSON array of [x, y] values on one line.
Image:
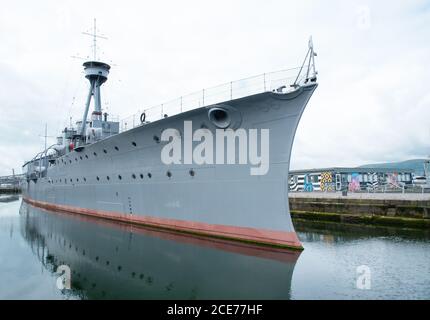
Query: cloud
[[372, 103]]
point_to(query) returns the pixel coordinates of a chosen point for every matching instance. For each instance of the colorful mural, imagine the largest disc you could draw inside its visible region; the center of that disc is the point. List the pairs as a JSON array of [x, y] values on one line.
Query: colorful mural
[[308, 184], [392, 179], [354, 185], [354, 182], [305, 182], [326, 182]]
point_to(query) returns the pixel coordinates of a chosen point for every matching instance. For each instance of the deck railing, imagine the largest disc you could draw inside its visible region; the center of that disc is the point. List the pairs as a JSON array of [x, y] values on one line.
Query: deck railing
[[225, 92]]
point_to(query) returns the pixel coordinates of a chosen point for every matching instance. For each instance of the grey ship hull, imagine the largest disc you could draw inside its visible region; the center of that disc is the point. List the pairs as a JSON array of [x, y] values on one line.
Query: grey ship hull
[[123, 178]]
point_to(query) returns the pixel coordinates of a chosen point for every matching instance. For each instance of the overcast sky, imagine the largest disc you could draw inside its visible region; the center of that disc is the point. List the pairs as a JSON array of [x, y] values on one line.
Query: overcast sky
[[372, 105]]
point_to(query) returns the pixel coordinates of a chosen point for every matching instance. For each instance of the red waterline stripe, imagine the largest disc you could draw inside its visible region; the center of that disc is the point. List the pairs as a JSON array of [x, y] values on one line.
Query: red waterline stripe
[[259, 236]]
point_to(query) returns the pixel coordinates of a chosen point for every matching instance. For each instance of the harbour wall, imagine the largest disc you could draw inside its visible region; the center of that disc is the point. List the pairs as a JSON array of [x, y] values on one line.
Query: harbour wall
[[402, 210], [10, 190]]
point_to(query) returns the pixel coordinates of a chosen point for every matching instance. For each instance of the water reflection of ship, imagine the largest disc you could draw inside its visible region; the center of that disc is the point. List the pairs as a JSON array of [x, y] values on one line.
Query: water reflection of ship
[[109, 260]]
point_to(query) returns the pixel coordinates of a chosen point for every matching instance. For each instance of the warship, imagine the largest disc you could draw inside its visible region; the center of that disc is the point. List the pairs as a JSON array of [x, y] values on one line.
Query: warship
[[115, 170]]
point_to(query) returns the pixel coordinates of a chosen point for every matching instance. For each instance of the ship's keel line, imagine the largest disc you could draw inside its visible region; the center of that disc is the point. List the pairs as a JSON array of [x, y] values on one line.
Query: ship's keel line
[[264, 237]]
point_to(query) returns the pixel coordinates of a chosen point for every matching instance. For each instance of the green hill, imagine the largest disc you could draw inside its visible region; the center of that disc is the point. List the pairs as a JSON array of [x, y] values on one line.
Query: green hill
[[416, 164]]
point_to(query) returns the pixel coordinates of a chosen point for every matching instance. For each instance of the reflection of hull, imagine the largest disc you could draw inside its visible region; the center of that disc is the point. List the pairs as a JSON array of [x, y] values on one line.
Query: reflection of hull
[[111, 260], [123, 178]]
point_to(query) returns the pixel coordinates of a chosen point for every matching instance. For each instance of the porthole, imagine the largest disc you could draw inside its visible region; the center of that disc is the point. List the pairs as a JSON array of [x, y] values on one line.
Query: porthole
[[134, 144], [85, 179], [192, 173], [77, 179], [86, 156], [119, 177], [169, 174], [76, 159], [98, 179], [70, 161], [156, 139], [116, 148], [141, 176], [108, 177], [133, 176], [71, 180], [95, 154], [80, 157], [149, 175], [104, 150]]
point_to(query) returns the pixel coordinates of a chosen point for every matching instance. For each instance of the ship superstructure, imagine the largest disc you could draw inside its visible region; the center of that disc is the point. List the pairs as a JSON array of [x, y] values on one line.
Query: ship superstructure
[[114, 172]]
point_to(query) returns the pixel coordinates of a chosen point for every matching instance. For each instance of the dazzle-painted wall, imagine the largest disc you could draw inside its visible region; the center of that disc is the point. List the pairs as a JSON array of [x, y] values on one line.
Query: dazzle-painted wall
[[327, 183], [392, 179], [354, 185], [305, 182], [336, 180]]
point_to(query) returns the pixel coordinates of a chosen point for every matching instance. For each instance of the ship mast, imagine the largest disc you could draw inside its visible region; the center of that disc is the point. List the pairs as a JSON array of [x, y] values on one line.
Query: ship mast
[[311, 73], [97, 73]]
